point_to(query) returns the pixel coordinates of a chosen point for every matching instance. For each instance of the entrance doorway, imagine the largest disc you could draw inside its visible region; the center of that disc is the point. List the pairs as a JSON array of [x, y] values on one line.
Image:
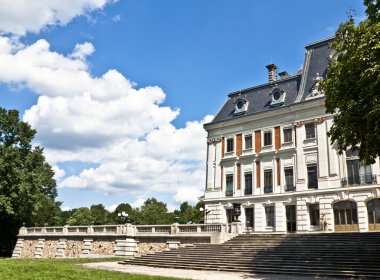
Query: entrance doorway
[[291, 218], [345, 216], [373, 209], [249, 221]]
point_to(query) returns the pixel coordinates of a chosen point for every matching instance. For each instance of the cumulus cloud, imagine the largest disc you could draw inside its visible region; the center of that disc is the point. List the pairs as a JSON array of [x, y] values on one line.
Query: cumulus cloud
[[21, 16], [123, 130]]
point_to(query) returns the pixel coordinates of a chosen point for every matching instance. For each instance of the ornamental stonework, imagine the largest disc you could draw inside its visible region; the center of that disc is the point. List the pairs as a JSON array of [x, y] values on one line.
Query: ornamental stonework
[[73, 248], [28, 249], [103, 247], [50, 249]]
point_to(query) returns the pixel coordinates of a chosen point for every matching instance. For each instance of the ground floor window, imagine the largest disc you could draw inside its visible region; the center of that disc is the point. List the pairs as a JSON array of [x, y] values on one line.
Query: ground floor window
[[373, 209], [269, 214], [229, 215], [345, 216], [314, 214], [249, 220]]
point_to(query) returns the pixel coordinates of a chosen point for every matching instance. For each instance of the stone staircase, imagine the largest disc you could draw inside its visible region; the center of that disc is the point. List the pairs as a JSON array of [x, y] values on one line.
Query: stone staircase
[[354, 255]]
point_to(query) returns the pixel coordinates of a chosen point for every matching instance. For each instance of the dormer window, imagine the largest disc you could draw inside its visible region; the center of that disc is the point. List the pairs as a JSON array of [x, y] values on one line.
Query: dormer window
[[278, 97], [241, 106]]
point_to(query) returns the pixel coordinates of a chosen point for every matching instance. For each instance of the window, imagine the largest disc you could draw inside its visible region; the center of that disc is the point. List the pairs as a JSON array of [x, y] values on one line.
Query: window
[[248, 183], [249, 218], [268, 181], [229, 185], [268, 138], [310, 130], [248, 141], [269, 214], [288, 137], [314, 214], [358, 173], [230, 145], [289, 182], [312, 177]]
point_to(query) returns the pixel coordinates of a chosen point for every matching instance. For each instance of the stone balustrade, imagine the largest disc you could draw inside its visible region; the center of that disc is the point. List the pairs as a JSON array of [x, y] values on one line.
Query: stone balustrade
[[114, 240]]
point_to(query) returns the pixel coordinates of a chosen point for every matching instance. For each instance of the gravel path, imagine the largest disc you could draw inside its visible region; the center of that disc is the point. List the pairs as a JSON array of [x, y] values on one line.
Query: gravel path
[[195, 274]]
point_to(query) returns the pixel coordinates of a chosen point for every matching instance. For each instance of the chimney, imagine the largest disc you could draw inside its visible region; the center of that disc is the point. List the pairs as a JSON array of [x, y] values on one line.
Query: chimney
[[272, 72], [283, 75]]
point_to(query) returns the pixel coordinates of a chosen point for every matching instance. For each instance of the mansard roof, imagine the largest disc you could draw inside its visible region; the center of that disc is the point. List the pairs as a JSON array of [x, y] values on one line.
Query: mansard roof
[[296, 88]]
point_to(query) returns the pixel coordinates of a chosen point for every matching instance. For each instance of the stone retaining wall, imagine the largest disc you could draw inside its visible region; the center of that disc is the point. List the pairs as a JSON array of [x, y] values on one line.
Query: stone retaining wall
[[113, 241]]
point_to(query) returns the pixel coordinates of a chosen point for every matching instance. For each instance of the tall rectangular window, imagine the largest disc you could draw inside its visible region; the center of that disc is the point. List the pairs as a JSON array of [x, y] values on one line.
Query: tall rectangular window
[[230, 145], [312, 176], [248, 141], [268, 138], [358, 172], [229, 185], [269, 215], [289, 181], [314, 214], [248, 183], [288, 134], [310, 130], [268, 181]]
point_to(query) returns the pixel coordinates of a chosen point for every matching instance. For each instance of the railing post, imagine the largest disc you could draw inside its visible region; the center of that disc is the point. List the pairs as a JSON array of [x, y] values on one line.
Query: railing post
[[65, 230]]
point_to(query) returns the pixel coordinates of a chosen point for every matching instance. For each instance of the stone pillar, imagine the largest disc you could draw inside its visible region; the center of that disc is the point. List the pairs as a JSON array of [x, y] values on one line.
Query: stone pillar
[[236, 228], [39, 248], [173, 244], [125, 247], [87, 247], [18, 248], [61, 248]]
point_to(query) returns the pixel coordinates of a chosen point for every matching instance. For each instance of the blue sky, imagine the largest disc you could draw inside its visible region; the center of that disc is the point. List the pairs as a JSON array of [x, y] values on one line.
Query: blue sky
[[119, 90]]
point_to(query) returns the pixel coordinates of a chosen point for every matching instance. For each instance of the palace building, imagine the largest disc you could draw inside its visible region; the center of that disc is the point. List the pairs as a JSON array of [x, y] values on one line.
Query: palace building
[[270, 159]]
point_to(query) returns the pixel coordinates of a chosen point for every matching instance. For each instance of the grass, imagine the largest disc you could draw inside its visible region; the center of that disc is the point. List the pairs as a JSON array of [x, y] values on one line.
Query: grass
[[62, 269]]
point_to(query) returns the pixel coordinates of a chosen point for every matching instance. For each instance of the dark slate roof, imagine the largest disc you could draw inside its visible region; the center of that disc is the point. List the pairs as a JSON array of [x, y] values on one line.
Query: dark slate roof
[[259, 98], [297, 87]]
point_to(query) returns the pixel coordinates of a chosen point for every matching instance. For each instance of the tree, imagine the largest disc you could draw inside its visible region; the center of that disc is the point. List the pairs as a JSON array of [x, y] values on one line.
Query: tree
[[188, 213], [152, 212], [100, 214], [122, 207], [352, 85], [81, 216], [27, 182]]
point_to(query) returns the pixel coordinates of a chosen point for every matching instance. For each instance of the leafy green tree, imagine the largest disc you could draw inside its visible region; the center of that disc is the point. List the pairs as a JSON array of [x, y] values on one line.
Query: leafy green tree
[[152, 212], [27, 182], [122, 207], [81, 217], [352, 85], [188, 213], [100, 214]]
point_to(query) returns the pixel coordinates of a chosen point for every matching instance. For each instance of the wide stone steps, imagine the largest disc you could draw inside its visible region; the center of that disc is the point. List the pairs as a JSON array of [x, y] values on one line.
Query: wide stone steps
[[340, 254]]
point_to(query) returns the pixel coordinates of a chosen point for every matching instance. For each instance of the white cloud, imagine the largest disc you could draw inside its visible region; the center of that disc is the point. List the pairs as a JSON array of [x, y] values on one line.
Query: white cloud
[[21, 16], [138, 203], [112, 207], [106, 120]]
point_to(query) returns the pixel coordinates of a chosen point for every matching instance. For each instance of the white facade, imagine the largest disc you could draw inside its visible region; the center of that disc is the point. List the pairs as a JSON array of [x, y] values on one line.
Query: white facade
[[281, 167]]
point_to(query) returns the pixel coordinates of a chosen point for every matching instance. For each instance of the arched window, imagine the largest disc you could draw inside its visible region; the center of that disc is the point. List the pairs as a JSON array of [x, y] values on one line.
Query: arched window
[[345, 216], [373, 209]]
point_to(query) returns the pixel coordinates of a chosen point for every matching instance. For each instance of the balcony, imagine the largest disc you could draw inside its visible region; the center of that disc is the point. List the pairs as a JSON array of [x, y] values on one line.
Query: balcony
[[248, 191], [268, 189], [229, 192], [362, 180], [290, 188]]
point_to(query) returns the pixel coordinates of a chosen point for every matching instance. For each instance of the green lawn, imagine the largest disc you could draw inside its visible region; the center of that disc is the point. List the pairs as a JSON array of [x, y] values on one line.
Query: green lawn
[[62, 269]]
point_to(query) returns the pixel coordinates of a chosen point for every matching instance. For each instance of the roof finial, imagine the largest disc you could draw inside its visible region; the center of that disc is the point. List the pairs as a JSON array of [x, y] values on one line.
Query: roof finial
[[350, 14]]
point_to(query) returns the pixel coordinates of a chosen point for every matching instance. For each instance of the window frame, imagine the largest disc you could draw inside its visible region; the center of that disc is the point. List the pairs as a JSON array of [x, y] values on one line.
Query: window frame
[[270, 216], [309, 135], [314, 214], [229, 190], [245, 141], [268, 179], [309, 177], [266, 132], [230, 148], [245, 183], [283, 134], [288, 187]]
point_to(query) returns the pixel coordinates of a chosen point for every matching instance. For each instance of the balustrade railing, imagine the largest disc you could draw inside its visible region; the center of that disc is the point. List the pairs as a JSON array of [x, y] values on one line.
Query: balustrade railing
[[122, 229], [360, 180]]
